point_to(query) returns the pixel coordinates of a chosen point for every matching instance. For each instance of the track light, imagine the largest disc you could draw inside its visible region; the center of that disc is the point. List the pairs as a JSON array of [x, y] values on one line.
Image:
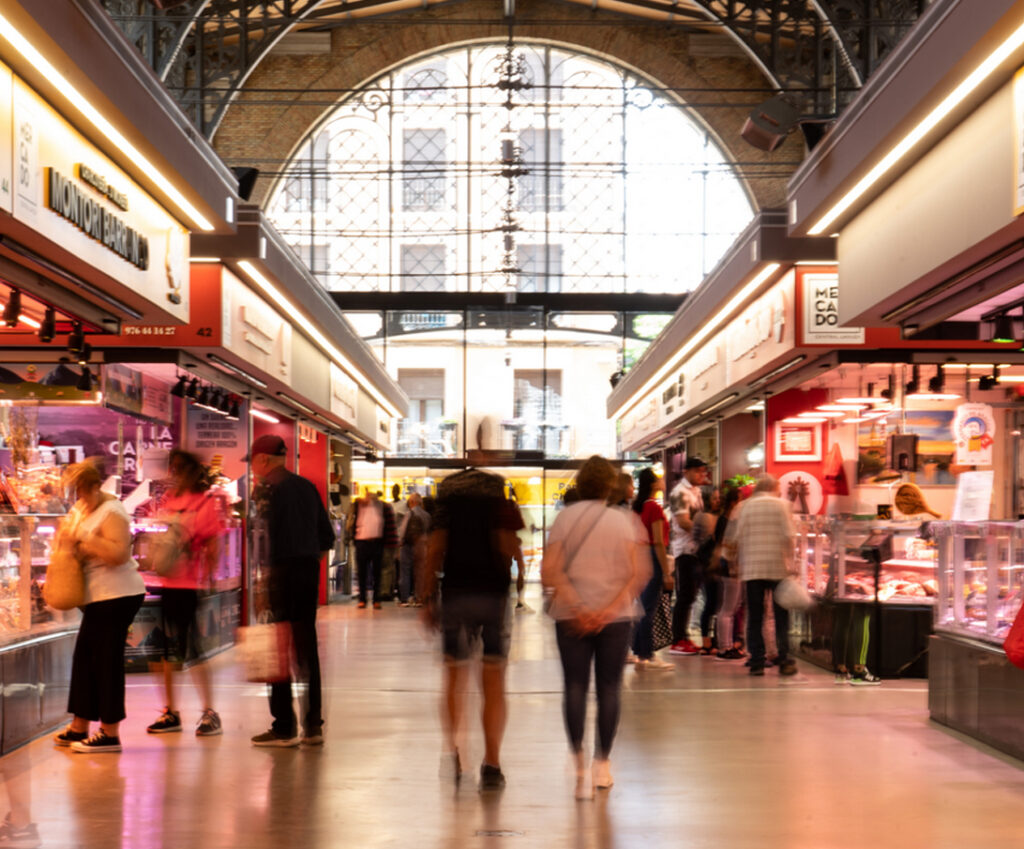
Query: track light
[[193, 389], [84, 354], [48, 328], [234, 412], [76, 339], [85, 381], [914, 384], [989, 381], [225, 404], [179, 388], [203, 399], [13, 309], [1004, 330]]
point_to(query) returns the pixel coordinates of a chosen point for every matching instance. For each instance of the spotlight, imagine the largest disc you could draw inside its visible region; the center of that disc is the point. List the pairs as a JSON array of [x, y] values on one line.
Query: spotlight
[[179, 388], [193, 389], [225, 404], [85, 381], [616, 377], [989, 381], [937, 383], [76, 339], [1004, 330], [12, 312], [203, 400], [84, 354], [234, 412], [370, 457], [48, 329], [915, 382]]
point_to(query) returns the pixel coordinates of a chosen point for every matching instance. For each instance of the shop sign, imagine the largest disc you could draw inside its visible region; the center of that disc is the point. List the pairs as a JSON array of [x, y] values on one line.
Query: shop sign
[[821, 313], [218, 441], [344, 394], [254, 331], [705, 372], [308, 433], [802, 491], [760, 333], [72, 194], [640, 421], [672, 398], [6, 140], [974, 431]]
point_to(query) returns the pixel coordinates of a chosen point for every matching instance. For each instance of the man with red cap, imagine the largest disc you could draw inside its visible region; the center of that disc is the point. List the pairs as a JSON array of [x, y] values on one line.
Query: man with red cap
[[300, 534]]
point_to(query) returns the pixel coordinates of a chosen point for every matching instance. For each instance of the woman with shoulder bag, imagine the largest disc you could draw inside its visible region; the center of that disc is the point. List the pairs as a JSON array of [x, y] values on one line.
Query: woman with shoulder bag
[[594, 568], [99, 527], [652, 516]]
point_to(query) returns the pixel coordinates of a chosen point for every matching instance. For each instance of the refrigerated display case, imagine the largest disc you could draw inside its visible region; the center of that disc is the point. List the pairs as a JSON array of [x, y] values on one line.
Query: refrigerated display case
[[972, 687], [885, 568]]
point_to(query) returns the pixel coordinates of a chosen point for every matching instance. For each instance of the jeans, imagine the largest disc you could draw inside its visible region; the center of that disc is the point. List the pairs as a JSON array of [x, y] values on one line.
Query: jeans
[[643, 639], [731, 590], [369, 561], [607, 651], [97, 665], [406, 569], [755, 623], [688, 578], [293, 598], [712, 595]]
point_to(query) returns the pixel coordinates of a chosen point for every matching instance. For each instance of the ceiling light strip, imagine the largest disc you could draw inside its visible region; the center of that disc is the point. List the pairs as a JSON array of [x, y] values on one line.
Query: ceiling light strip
[[705, 330], [78, 101], [928, 123], [325, 344]]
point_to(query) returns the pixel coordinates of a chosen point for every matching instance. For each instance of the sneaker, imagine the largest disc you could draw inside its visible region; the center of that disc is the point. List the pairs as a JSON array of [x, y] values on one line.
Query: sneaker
[[100, 742], [601, 770], [169, 721], [315, 739], [376, 605], [685, 647], [269, 739], [361, 606], [491, 778], [15, 837], [788, 667], [523, 607], [729, 654], [707, 652], [209, 724], [654, 663], [841, 678], [67, 737], [863, 678], [757, 671]]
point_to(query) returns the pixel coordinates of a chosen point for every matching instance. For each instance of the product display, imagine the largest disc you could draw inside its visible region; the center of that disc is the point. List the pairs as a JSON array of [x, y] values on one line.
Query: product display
[[980, 578]]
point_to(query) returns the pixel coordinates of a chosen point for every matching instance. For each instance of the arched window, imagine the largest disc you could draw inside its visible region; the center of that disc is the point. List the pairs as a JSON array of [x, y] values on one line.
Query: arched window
[[480, 170]]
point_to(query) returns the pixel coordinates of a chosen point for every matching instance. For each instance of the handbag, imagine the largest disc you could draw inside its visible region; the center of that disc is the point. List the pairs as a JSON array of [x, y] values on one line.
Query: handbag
[[1013, 645], [168, 549], [661, 622], [792, 595], [266, 651], [64, 587]]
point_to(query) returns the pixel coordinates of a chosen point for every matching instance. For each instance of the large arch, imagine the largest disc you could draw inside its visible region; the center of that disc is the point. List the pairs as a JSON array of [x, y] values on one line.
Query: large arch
[[287, 94]]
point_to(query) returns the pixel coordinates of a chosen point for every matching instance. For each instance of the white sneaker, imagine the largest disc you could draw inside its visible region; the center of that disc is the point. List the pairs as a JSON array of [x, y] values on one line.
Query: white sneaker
[[654, 663], [602, 772]]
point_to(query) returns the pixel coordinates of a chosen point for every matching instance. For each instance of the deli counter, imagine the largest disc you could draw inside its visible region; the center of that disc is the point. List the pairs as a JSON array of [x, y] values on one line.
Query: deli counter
[[972, 687], [879, 570]]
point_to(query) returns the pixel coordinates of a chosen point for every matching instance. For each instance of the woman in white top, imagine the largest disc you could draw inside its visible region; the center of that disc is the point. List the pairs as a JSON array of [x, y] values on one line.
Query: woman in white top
[[98, 526], [594, 567]]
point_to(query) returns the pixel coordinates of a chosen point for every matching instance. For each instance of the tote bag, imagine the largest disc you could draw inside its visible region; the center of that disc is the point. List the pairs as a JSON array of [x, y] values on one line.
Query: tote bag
[[64, 588], [266, 651], [661, 622]]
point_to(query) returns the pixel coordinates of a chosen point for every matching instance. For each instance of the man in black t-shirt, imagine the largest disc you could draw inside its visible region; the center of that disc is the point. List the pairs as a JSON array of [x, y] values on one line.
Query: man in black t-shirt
[[472, 542]]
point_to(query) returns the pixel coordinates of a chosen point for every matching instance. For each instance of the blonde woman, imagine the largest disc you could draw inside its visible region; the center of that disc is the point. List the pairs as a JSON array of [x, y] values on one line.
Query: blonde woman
[[98, 527]]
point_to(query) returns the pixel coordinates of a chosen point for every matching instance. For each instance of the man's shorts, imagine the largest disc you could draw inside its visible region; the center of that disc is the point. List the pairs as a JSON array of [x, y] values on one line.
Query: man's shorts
[[178, 609], [467, 619]]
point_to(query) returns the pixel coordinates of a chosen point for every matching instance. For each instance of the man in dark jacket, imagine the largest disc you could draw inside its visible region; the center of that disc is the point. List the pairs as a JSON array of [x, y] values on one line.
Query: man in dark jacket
[[300, 535]]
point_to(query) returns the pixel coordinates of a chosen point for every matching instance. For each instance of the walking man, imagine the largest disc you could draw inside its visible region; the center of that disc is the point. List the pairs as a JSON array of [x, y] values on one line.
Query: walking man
[[472, 542], [685, 503], [300, 535], [373, 522], [764, 550]]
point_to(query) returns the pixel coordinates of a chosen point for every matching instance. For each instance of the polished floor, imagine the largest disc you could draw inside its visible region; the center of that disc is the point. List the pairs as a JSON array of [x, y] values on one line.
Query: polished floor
[[706, 757]]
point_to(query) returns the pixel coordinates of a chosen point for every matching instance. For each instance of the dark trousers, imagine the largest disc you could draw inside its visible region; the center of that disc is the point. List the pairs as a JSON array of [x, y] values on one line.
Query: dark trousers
[[607, 651], [97, 665], [369, 561], [293, 598], [643, 640], [688, 578], [712, 601], [755, 623]]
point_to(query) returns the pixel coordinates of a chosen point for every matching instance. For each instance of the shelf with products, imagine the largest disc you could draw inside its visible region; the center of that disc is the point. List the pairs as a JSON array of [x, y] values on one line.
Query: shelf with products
[[832, 562], [980, 576]]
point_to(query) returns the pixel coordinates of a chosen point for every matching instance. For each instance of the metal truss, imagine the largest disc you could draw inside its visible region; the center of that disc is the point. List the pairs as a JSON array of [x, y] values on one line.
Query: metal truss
[[820, 52]]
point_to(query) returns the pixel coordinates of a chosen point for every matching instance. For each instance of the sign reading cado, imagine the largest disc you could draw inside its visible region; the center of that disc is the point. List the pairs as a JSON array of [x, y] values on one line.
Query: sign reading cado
[[67, 200]]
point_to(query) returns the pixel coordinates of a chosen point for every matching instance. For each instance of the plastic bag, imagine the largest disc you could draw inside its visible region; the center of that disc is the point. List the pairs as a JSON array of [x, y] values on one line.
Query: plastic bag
[[792, 595], [266, 651]]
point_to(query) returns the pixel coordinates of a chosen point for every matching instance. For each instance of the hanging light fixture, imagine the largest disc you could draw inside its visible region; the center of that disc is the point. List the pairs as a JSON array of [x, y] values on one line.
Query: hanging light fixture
[[1004, 330], [234, 412], [225, 403], [85, 381], [936, 390], [76, 339], [48, 326], [192, 393], [178, 391], [84, 354], [203, 399], [12, 312]]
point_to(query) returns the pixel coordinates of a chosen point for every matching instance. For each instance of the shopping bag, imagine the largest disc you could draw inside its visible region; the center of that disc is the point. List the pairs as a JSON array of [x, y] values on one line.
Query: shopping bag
[[266, 651], [168, 549], [64, 587], [792, 595], [661, 622], [1013, 645]]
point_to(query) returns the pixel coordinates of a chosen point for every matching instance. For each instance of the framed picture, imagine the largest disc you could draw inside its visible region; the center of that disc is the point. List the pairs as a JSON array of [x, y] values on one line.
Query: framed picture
[[797, 443]]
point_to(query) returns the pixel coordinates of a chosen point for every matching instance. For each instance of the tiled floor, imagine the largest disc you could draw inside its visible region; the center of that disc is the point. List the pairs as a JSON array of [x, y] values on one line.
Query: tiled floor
[[706, 757]]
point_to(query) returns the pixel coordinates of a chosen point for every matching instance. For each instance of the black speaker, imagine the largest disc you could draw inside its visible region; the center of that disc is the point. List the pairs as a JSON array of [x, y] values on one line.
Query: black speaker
[[769, 123], [246, 180]]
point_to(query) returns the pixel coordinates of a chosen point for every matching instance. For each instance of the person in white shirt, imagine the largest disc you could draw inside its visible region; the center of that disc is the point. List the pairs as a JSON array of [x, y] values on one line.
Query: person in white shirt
[[685, 503]]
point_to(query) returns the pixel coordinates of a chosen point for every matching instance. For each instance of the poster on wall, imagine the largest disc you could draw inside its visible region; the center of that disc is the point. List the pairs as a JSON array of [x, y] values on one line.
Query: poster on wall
[[803, 491], [44, 382], [973, 496], [797, 443], [974, 430], [935, 448], [219, 442]]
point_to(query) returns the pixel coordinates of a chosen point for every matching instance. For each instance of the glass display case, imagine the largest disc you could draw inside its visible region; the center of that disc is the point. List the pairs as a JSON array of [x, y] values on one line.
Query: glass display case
[[833, 563], [25, 541], [980, 578]]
